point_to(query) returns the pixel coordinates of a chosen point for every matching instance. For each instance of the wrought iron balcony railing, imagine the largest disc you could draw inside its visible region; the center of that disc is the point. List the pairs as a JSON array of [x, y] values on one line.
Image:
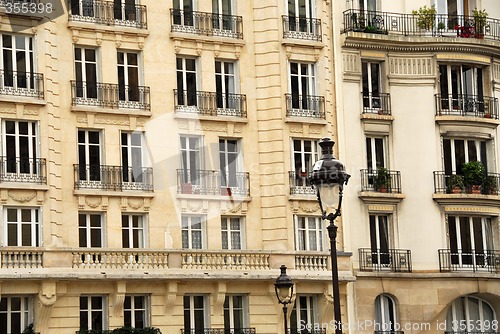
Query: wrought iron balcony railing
[[467, 106], [210, 103], [388, 181], [219, 331], [210, 24], [377, 104], [308, 331], [469, 260], [25, 170], [301, 28], [454, 184], [412, 25], [212, 182], [305, 106], [21, 83], [394, 260], [108, 13], [115, 178], [110, 95], [299, 184]]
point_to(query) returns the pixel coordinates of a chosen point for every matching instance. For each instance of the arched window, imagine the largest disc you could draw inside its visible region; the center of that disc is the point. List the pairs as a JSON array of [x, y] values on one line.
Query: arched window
[[385, 314], [473, 312]]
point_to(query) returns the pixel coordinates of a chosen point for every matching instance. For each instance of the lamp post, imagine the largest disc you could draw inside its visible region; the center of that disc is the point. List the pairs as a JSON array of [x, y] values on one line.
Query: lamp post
[[284, 292], [328, 177]]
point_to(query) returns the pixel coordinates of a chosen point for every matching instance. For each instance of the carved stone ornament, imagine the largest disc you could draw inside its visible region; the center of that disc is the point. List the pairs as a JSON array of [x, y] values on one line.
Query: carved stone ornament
[[22, 196], [93, 202], [135, 203]]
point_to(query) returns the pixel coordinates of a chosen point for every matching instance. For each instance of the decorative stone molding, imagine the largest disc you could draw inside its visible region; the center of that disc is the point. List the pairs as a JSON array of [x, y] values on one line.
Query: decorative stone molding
[[213, 128], [170, 296], [296, 130], [140, 42], [237, 52], [47, 297], [22, 196], [135, 203], [118, 40], [219, 299], [496, 71], [352, 62], [411, 66], [199, 47], [112, 121], [98, 39], [75, 35], [93, 202], [216, 50], [119, 297]]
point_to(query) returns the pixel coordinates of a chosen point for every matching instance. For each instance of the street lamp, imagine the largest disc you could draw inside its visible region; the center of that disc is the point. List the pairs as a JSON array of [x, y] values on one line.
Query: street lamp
[[328, 177], [284, 292]]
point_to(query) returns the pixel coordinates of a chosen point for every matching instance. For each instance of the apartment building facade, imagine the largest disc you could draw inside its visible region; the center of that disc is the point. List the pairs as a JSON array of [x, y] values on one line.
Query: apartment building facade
[[419, 95], [154, 165]]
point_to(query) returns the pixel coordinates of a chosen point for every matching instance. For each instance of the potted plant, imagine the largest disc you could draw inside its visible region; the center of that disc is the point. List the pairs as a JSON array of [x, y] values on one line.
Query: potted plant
[[187, 188], [382, 180], [456, 184], [474, 176], [480, 17], [29, 329], [426, 17], [490, 185]]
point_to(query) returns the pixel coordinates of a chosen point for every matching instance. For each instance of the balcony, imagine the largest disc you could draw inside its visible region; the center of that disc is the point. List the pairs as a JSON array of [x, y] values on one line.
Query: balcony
[[20, 257], [301, 28], [454, 184], [300, 185], [462, 26], [219, 331], [209, 24], [315, 262], [24, 170], [113, 178], [122, 259], [98, 94], [210, 103], [18, 83], [391, 260], [375, 181], [467, 106], [377, 104], [212, 182], [308, 106], [227, 260], [469, 260], [108, 13]]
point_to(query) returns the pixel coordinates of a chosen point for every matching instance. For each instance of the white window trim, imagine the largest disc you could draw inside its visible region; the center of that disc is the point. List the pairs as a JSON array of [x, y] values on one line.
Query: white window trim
[[88, 228], [147, 309], [206, 309], [319, 232], [242, 231], [130, 229], [89, 310], [34, 226], [244, 309], [26, 309], [188, 228], [315, 152]]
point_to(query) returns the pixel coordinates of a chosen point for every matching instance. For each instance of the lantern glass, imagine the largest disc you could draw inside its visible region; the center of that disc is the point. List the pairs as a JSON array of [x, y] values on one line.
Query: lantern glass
[[284, 294], [330, 196]]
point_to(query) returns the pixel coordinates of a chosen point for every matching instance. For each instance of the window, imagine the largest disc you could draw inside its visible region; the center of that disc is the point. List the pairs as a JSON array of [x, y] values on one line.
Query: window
[[309, 233], [128, 74], [471, 240], [17, 62], [375, 152], [371, 86], [133, 159], [183, 12], [380, 239], [302, 85], [193, 232], [90, 230], [20, 146], [124, 10], [136, 311], [86, 73], [459, 151], [133, 231], [368, 5], [461, 88], [224, 9], [385, 314], [89, 155], [225, 85], [195, 313], [299, 12], [304, 313], [93, 313], [82, 7], [22, 227], [16, 313], [186, 82], [232, 233], [191, 160], [228, 160], [305, 154], [235, 313], [476, 313]]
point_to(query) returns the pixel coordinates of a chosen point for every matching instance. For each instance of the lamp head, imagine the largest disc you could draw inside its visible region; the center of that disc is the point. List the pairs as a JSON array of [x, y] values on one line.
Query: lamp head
[[284, 287]]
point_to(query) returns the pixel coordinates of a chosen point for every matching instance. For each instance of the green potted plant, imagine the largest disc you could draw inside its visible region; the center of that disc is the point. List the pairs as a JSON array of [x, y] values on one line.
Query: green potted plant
[[426, 17], [490, 185], [474, 176], [382, 180], [480, 17], [456, 184], [29, 329]]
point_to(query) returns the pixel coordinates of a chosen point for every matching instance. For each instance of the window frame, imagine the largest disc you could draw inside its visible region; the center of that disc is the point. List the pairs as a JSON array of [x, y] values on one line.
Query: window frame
[[88, 229], [385, 304], [29, 61], [82, 67], [184, 81], [186, 226], [33, 146], [303, 243], [26, 311], [191, 309], [146, 311], [35, 226], [311, 312], [132, 170], [126, 88], [190, 169], [453, 319], [84, 174], [229, 311], [129, 230], [91, 311], [227, 237]]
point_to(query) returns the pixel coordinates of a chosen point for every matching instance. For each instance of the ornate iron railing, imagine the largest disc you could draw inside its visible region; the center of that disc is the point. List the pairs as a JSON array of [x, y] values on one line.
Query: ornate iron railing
[[108, 13], [210, 24], [18, 258], [21, 83], [299, 184], [395, 260], [469, 260], [122, 259], [212, 182], [301, 28], [467, 106], [26, 170], [210, 103], [308, 331], [110, 95], [377, 104], [114, 178], [305, 106], [414, 25], [370, 181], [454, 184]]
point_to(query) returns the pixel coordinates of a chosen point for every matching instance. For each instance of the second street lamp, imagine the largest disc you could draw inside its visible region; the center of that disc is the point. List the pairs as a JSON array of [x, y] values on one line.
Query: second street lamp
[[329, 177], [284, 292]]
